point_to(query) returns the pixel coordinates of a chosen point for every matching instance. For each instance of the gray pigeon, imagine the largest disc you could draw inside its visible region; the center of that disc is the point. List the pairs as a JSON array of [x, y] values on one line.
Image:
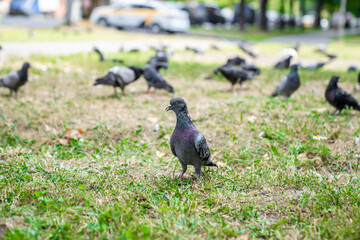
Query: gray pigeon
[[285, 63], [187, 143], [315, 66], [155, 79], [15, 80], [289, 84], [120, 77]]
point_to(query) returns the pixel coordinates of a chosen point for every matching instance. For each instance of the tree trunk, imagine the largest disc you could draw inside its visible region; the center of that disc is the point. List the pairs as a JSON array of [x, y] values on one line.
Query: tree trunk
[[282, 11], [292, 22], [263, 19], [242, 15], [302, 10], [319, 5]]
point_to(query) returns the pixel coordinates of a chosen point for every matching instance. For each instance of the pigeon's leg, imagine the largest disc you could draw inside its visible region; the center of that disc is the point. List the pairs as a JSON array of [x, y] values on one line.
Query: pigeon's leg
[[115, 91], [11, 92], [334, 112], [16, 93], [148, 88], [184, 168], [122, 91], [231, 88], [198, 170]]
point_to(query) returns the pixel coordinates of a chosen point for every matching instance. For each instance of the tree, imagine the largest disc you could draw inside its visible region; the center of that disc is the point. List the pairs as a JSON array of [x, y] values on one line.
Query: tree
[[282, 12], [302, 10], [318, 9], [263, 19], [292, 22], [242, 19]]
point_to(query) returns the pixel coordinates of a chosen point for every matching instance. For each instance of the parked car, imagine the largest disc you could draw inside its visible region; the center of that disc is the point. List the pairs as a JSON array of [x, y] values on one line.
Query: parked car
[[142, 14], [204, 13], [23, 7]]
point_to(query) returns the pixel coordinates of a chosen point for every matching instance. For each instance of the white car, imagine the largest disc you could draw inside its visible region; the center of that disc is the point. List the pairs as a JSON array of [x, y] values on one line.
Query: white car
[[142, 14]]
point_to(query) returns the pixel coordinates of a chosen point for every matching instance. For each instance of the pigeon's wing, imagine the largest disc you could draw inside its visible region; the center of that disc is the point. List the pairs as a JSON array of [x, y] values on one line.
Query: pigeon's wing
[[345, 98], [172, 148], [201, 147], [126, 74], [11, 80], [281, 86]]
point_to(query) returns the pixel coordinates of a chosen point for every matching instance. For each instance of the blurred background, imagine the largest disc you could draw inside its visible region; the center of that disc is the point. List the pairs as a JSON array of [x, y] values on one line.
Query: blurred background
[[225, 18]]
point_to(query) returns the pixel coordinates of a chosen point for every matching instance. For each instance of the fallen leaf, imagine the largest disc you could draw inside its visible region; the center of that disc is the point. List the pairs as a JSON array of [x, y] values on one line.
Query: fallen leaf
[[71, 134]]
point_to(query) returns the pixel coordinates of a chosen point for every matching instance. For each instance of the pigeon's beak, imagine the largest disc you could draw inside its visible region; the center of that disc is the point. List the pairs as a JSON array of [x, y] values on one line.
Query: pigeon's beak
[[168, 108]]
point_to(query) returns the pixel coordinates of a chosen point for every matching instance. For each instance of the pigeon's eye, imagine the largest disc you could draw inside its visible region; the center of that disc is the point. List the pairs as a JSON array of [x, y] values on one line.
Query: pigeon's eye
[[176, 103]]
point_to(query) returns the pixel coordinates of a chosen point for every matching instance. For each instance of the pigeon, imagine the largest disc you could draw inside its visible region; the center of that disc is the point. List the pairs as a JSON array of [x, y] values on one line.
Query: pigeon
[[338, 97], [285, 63], [246, 48], [288, 84], [330, 56], [195, 50], [315, 66], [120, 77], [251, 68], [102, 57], [359, 77], [155, 79], [187, 143], [15, 80], [235, 61], [234, 74], [154, 61], [352, 68]]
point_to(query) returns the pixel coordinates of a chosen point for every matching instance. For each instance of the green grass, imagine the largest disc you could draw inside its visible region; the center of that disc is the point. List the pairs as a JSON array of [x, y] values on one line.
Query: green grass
[[251, 34], [120, 182]]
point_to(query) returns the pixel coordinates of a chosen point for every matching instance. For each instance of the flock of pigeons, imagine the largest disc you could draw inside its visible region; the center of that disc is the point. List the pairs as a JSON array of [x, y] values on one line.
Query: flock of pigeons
[[187, 143]]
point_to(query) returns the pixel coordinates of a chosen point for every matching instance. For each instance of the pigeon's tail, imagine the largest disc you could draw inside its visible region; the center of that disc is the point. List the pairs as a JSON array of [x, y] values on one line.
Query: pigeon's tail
[[169, 88], [2, 83], [210, 163]]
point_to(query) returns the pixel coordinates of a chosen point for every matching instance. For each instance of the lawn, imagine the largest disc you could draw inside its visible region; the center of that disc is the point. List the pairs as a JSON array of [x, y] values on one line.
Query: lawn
[[252, 34], [119, 181]]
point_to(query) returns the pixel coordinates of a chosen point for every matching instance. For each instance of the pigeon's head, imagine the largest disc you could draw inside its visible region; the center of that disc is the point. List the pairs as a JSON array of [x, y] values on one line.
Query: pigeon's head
[[177, 104], [26, 65], [334, 80], [295, 67]]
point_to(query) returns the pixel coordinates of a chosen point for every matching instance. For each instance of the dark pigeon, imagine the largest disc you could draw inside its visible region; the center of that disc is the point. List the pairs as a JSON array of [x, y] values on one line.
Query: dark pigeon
[[285, 63], [234, 74], [289, 84], [237, 61], [15, 80], [102, 57], [158, 64], [120, 77], [338, 97], [195, 50], [315, 66], [246, 48], [155, 79], [187, 143], [330, 56], [251, 68], [352, 68]]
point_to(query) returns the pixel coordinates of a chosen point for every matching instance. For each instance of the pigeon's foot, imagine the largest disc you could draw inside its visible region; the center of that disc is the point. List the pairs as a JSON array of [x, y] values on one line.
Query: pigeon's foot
[[336, 112]]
